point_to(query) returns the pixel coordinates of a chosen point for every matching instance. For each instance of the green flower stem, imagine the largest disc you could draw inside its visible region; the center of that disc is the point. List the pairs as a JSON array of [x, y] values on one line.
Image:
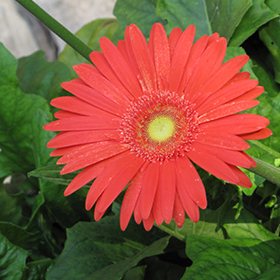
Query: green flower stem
[[267, 171], [57, 28]]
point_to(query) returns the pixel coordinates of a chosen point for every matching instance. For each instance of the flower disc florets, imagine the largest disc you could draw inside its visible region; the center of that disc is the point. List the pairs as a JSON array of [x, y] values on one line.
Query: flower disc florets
[[160, 126]]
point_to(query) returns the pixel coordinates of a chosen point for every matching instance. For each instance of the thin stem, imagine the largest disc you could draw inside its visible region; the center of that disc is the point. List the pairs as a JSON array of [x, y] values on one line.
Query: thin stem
[[267, 171], [57, 28]]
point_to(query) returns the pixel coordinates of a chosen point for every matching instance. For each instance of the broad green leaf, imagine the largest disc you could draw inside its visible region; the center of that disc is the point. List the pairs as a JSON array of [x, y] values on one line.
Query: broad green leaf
[[181, 14], [258, 14], [206, 226], [142, 13], [273, 5], [17, 111], [89, 34], [40, 139], [96, 245], [17, 235], [38, 76], [116, 271], [12, 260], [65, 210], [268, 149], [52, 173], [240, 258], [136, 273], [225, 16], [247, 227], [10, 207], [250, 252], [271, 274], [37, 269], [270, 35]]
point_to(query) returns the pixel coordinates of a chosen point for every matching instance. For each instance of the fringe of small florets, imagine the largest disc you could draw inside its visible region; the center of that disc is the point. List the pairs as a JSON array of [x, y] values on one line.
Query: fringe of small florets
[[135, 122]]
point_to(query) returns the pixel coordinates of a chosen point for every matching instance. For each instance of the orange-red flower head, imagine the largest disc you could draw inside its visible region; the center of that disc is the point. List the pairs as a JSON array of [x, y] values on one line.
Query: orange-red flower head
[[145, 112]]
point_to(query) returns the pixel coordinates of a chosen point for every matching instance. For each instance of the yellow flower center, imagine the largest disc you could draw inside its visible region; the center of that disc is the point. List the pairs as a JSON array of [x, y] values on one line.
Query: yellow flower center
[[161, 128]]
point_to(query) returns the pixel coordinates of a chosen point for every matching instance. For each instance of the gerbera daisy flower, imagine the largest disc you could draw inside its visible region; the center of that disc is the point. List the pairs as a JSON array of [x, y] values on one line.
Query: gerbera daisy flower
[[145, 113]]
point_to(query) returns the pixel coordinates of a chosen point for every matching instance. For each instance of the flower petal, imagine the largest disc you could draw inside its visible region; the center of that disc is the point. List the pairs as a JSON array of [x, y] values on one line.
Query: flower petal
[[222, 140], [244, 181], [227, 110], [224, 95], [83, 157], [156, 209], [66, 139], [99, 60], [83, 123], [178, 212], [173, 39], [195, 54], [61, 114], [100, 184], [143, 57], [189, 184], [94, 98], [131, 197], [119, 181], [261, 134], [212, 164], [167, 189], [209, 62], [180, 57], [76, 105], [120, 67], [250, 95], [98, 82], [224, 73], [148, 223], [84, 177], [149, 187], [236, 124], [238, 158], [159, 47]]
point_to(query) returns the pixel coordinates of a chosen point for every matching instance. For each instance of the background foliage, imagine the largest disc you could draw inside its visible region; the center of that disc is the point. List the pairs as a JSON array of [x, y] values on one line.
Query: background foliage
[[44, 235]]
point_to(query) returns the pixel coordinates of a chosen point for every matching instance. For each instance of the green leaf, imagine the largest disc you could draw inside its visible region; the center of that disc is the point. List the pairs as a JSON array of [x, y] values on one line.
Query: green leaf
[[65, 210], [270, 35], [116, 271], [251, 250], [10, 207], [17, 111], [40, 139], [271, 274], [142, 13], [37, 269], [38, 76], [12, 260], [97, 245], [241, 258], [267, 149], [273, 5], [256, 16], [52, 173], [225, 16], [89, 34], [247, 227], [16, 234], [206, 226], [182, 13]]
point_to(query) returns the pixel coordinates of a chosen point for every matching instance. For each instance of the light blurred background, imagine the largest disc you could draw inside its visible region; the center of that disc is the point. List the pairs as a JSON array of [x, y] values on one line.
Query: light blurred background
[[22, 34]]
